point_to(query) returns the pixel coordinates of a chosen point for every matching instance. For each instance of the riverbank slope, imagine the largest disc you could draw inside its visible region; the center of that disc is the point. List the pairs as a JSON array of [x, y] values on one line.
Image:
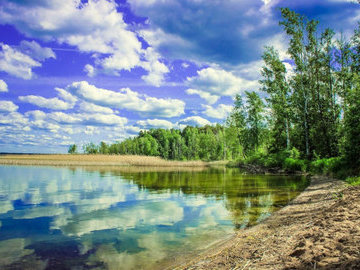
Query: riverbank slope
[[320, 229]]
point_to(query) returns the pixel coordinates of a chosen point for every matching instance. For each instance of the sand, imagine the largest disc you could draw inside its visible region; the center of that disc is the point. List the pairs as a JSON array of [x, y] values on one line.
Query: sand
[[320, 229]]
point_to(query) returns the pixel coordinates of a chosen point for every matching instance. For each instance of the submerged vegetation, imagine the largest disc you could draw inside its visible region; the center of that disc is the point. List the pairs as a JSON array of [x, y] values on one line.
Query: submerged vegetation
[[309, 121]]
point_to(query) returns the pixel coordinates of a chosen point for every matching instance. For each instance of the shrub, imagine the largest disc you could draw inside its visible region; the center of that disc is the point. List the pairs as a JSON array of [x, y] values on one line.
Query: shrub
[[294, 153], [293, 165], [327, 165], [354, 181]]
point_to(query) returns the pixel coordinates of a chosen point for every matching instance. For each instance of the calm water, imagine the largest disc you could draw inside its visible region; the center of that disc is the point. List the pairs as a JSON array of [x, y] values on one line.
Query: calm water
[[96, 218]]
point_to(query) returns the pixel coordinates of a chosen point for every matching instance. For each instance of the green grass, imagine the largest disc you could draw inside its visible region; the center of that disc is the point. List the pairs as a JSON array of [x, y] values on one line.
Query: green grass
[[353, 181]]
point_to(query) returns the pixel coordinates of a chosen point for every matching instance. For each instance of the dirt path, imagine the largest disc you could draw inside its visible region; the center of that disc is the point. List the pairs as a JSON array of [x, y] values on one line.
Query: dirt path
[[320, 229]]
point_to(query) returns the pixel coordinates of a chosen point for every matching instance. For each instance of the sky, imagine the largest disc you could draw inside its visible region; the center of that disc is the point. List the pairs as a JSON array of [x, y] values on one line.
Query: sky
[[79, 71]]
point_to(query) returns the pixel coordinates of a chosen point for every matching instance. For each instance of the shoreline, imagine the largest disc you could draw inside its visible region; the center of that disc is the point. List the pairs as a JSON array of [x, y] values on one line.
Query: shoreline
[[311, 232], [95, 160]]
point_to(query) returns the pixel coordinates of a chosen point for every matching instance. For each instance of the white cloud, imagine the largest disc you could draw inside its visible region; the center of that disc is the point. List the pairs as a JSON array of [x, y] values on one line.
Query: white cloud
[[90, 70], [127, 99], [50, 103], [155, 123], [44, 125], [3, 86], [156, 69], [132, 129], [8, 106], [36, 51], [194, 121], [96, 119], [94, 27], [218, 82], [185, 65], [16, 63], [281, 43], [65, 95], [211, 99], [92, 108], [13, 118], [220, 112], [36, 115]]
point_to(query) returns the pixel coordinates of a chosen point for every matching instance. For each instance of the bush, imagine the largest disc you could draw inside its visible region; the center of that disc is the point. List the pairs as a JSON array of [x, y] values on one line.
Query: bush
[[354, 181], [327, 165], [291, 164]]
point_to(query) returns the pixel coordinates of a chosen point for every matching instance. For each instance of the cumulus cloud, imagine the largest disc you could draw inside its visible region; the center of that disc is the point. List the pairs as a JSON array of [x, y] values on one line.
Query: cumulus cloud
[[93, 108], [228, 32], [36, 115], [8, 106], [218, 82], [211, 99], [12, 118], [90, 70], [220, 112], [94, 27], [96, 119], [16, 63], [127, 99], [194, 121], [49, 103], [3, 86], [155, 123], [65, 95], [36, 51], [156, 69], [217, 34]]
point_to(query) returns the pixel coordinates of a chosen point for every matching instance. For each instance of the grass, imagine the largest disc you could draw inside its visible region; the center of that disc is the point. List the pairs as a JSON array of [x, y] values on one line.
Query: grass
[[353, 181], [98, 160]]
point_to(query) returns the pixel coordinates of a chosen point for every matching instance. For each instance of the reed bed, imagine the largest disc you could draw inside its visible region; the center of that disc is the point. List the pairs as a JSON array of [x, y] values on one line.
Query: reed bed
[[97, 160]]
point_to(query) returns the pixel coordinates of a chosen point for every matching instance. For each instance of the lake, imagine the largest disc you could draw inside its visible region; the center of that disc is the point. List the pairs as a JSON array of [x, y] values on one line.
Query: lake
[[127, 218]]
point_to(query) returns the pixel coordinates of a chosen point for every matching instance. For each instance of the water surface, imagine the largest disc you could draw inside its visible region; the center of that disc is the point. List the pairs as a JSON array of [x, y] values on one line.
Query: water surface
[[127, 218]]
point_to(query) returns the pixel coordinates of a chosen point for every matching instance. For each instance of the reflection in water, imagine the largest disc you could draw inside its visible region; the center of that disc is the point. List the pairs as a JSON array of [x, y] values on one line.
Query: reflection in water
[[127, 218]]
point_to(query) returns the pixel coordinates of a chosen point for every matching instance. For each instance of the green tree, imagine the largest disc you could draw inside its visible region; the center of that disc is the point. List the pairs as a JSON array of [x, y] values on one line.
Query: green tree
[[72, 149], [255, 117], [274, 83], [295, 26]]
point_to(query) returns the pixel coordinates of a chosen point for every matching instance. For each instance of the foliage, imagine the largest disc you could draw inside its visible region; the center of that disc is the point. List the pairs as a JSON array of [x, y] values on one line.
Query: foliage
[[326, 165], [291, 164], [308, 120], [354, 181], [72, 149]]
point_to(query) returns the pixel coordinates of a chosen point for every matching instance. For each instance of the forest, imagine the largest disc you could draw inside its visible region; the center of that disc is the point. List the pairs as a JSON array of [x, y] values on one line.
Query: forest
[[305, 116]]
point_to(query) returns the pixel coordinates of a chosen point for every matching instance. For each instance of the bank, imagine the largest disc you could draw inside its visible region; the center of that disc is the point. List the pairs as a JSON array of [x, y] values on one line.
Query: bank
[[320, 229]]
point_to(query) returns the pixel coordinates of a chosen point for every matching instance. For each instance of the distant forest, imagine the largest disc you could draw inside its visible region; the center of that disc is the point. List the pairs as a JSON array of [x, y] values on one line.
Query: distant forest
[[311, 111]]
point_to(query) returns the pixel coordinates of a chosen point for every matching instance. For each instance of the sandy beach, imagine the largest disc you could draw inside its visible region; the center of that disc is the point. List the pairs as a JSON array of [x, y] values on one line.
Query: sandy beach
[[320, 229]]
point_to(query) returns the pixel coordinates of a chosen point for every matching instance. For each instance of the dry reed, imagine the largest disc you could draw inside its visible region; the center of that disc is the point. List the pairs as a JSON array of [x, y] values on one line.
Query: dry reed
[[97, 160]]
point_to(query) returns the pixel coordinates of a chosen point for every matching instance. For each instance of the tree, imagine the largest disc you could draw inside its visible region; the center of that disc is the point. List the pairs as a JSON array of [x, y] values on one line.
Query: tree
[[294, 26], [274, 83], [90, 148], [72, 149], [255, 108], [236, 133]]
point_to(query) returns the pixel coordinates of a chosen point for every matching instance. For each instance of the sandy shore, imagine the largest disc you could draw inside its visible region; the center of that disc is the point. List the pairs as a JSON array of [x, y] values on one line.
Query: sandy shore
[[95, 160], [320, 229]]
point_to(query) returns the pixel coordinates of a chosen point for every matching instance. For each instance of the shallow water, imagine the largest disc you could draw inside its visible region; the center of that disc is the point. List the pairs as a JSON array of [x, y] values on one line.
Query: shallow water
[[127, 218]]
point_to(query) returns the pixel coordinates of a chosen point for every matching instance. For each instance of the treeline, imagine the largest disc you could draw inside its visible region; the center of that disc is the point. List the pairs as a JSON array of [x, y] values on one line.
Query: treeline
[[311, 109]]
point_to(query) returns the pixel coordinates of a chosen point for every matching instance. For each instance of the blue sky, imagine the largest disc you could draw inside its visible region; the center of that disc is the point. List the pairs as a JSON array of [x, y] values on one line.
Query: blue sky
[[76, 71]]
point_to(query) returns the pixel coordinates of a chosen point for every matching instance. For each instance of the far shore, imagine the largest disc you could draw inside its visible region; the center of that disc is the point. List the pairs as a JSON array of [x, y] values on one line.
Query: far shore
[[97, 160]]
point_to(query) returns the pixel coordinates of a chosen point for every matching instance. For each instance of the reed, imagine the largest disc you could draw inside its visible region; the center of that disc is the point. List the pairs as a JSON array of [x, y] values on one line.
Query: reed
[[98, 160]]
